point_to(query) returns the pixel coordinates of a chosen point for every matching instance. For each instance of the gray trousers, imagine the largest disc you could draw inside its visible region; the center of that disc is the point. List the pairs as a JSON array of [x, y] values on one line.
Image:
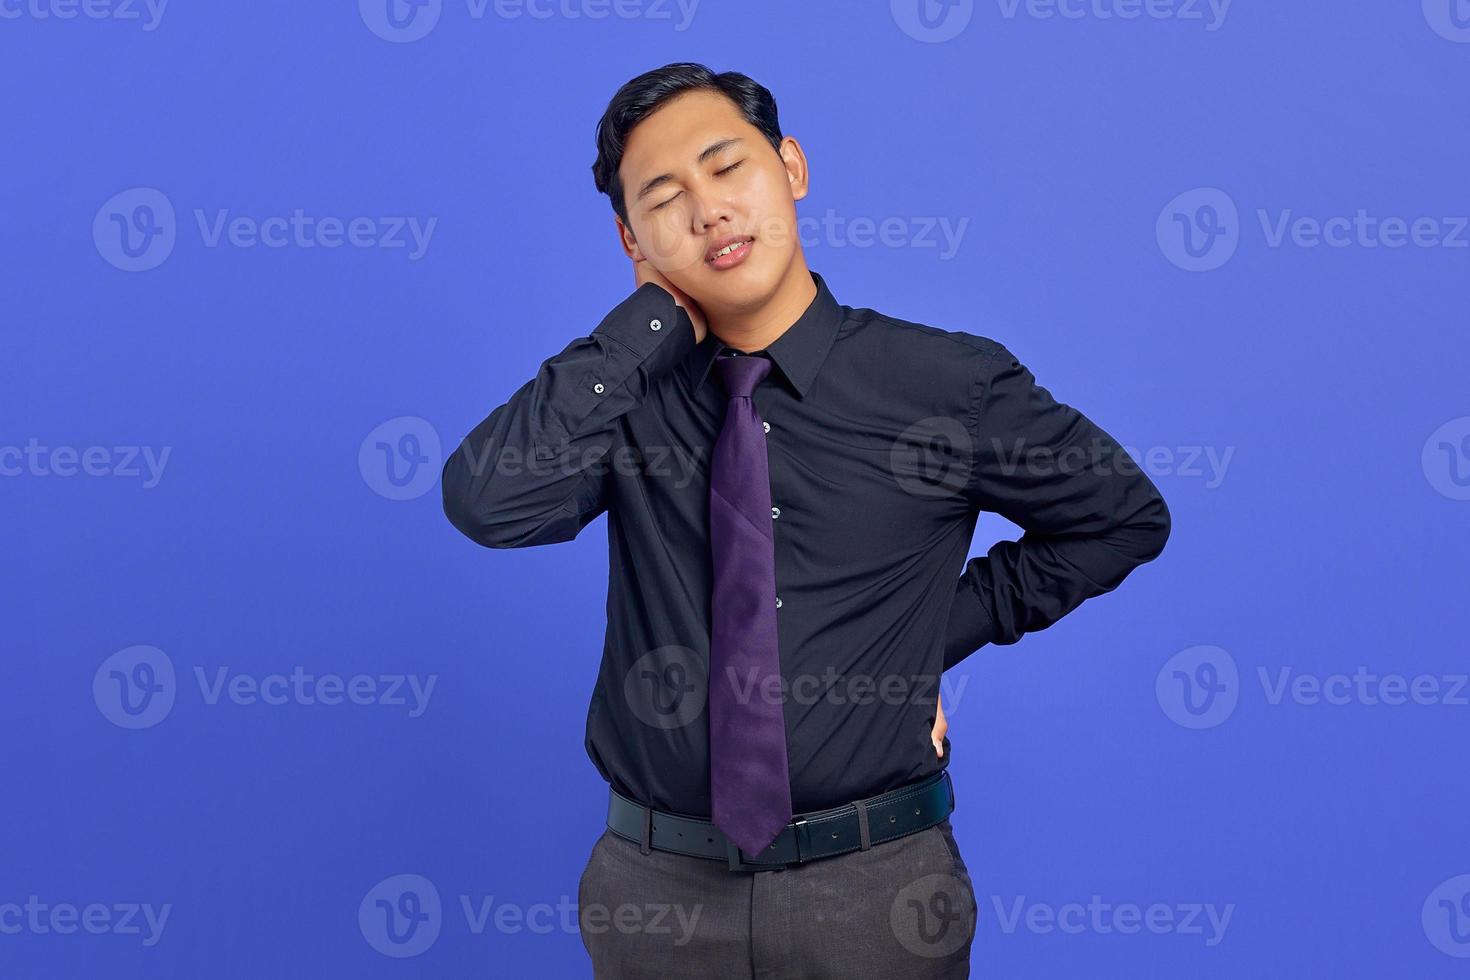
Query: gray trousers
[[902, 910]]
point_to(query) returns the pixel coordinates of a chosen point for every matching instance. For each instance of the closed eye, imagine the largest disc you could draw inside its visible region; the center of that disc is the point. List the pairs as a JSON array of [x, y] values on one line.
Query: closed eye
[[718, 173]]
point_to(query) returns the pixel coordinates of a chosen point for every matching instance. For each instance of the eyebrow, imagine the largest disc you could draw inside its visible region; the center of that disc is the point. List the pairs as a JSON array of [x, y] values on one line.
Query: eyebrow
[[709, 151]]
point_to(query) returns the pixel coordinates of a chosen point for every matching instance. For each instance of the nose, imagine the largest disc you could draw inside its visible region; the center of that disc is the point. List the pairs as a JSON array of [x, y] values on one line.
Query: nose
[[711, 208]]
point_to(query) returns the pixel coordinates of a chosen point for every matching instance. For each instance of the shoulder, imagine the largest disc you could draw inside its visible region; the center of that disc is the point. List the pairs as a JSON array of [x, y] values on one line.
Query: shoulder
[[912, 347]]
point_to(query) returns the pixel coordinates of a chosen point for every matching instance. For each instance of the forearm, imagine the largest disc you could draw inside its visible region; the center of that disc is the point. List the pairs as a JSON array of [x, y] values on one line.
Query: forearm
[[1025, 585], [532, 471], [1088, 513]]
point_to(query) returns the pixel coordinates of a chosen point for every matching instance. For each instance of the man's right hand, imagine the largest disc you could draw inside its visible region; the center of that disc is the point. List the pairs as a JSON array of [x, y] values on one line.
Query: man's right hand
[[643, 271]]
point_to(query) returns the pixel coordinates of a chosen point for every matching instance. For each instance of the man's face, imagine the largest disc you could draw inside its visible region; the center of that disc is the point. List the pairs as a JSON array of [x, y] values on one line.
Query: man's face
[[683, 203]]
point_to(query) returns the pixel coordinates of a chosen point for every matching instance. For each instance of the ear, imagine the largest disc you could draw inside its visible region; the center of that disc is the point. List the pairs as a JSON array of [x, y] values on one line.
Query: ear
[[627, 241], [797, 174]]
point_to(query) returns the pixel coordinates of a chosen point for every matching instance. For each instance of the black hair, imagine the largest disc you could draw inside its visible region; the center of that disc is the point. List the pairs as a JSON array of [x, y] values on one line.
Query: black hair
[[640, 96]]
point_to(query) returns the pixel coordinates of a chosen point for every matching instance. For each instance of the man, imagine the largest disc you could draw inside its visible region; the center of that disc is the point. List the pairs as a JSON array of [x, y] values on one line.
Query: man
[[791, 487]]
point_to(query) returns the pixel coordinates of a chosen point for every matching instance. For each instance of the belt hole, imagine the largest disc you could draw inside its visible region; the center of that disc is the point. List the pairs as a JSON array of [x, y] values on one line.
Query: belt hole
[[893, 820], [916, 811]]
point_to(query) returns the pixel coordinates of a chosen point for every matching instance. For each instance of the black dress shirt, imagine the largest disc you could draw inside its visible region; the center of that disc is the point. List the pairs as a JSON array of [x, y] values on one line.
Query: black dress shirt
[[886, 439]]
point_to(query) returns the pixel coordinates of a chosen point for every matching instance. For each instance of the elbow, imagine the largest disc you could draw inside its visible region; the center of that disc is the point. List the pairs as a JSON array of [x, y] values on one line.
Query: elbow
[[479, 528], [494, 514], [463, 504], [1154, 530]]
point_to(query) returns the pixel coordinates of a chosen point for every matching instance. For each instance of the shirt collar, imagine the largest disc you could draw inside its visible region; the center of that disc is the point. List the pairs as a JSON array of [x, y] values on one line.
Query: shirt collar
[[799, 352]]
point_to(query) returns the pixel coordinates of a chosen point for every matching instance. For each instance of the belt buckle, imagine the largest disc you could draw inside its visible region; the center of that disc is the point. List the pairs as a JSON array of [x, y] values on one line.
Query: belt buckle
[[737, 860]]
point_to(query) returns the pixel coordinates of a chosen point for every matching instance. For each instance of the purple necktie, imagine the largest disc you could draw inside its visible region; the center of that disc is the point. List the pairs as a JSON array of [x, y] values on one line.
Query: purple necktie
[[750, 783]]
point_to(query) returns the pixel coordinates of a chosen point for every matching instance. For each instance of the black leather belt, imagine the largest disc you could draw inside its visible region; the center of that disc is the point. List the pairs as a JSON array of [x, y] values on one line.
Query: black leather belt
[[809, 836]]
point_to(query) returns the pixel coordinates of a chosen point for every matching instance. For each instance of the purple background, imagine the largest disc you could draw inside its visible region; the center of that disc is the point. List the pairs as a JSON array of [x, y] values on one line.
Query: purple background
[[1332, 538]]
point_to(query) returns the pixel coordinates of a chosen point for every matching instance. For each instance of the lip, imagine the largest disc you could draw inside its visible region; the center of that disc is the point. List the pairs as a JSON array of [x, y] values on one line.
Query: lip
[[734, 258]]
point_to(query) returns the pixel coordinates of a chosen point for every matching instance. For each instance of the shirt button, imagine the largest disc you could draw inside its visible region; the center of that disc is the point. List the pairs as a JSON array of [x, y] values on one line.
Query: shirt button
[[655, 324], [766, 426], [598, 387], [775, 512], [778, 602]]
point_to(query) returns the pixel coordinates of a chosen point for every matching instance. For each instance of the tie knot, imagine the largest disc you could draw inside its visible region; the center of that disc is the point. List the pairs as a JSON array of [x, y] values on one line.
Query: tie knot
[[741, 373]]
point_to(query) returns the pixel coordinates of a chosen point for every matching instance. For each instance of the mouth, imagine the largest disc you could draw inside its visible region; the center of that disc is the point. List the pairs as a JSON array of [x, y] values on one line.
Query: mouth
[[728, 252]]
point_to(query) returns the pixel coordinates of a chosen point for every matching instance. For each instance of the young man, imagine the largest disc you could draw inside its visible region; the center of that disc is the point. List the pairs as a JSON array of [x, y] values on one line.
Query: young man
[[791, 487]]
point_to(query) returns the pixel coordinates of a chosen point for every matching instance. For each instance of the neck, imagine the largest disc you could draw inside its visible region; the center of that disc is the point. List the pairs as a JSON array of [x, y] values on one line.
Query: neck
[[759, 328]]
